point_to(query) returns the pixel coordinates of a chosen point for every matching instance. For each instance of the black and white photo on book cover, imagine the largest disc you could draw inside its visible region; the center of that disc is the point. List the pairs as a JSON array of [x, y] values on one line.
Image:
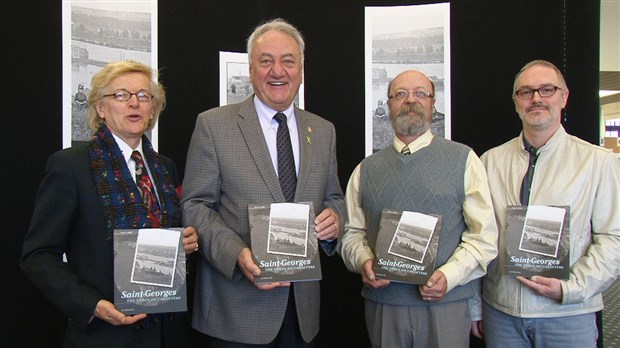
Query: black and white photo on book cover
[[406, 246], [537, 241], [149, 271], [284, 242]]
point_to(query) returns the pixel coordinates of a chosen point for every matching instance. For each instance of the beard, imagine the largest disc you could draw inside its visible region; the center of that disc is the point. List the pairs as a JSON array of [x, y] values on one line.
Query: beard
[[410, 120], [540, 116]]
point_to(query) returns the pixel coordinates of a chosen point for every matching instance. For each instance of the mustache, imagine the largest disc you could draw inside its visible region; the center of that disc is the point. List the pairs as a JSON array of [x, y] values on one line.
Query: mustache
[[536, 106], [408, 108]]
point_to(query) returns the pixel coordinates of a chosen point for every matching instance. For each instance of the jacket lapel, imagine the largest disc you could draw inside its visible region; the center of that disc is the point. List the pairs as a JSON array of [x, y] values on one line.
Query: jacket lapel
[[255, 140], [305, 143]]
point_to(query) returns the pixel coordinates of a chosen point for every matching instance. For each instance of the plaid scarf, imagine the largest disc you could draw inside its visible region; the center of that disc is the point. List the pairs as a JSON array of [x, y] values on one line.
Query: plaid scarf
[[118, 193]]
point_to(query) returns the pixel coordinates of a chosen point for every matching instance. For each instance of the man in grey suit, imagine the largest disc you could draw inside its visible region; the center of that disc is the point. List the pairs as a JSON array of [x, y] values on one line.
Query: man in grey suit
[[233, 162]]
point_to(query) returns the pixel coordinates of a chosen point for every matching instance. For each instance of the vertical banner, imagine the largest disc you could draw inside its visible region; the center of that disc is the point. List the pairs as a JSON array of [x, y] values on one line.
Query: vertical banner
[[235, 84], [402, 38], [95, 33]]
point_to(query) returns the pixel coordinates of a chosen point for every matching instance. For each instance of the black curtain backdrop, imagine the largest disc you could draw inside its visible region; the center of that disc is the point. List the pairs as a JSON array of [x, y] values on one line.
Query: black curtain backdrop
[[491, 41]]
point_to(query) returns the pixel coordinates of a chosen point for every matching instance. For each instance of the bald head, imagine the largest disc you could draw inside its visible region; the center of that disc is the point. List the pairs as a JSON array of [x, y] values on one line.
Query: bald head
[[411, 77]]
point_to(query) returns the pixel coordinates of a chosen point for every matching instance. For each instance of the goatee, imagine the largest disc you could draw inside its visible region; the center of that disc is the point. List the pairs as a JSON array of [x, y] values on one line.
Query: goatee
[[410, 120]]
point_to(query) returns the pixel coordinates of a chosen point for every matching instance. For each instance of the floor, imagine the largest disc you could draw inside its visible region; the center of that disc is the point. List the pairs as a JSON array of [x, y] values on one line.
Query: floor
[[611, 316]]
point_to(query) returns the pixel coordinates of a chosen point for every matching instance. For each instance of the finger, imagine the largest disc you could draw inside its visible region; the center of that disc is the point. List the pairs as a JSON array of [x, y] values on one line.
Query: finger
[[329, 233], [133, 319], [325, 214], [269, 286]]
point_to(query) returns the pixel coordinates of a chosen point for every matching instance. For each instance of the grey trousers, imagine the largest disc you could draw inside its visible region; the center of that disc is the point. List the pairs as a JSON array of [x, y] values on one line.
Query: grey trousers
[[444, 325]]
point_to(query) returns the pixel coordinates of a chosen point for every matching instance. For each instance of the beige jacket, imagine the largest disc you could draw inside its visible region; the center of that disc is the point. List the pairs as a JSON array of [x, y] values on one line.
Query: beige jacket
[[569, 171]]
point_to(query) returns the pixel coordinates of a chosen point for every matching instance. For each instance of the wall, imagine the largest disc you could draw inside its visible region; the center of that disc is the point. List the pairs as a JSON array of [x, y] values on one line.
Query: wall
[[491, 40]]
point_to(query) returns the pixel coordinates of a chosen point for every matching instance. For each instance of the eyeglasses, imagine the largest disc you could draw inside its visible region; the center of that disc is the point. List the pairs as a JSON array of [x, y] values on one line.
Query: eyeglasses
[[402, 94], [543, 92], [123, 96]]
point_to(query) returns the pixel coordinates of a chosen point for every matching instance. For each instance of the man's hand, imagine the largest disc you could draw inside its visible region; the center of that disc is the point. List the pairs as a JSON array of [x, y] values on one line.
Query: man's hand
[[327, 225], [251, 270], [477, 329], [190, 240], [435, 288], [106, 311], [368, 276], [548, 287]]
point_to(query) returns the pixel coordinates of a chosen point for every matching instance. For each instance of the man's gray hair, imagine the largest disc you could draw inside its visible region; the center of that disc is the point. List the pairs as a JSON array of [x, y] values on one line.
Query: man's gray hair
[[277, 24]]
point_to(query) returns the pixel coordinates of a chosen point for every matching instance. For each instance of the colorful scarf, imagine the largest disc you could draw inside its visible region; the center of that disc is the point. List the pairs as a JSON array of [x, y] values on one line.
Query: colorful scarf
[[118, 193]]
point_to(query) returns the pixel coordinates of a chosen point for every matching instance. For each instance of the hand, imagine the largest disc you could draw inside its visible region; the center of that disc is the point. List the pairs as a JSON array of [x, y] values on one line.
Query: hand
[[548, 287], [368, 276], [106, 311], [327, 225], [435, 288], [477, 329], [190, 240], [251, 270]]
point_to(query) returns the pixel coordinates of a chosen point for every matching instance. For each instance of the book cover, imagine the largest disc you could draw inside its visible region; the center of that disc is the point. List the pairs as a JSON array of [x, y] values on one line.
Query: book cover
[[406, 246], [537, 241], [149, 271], [284, 242]]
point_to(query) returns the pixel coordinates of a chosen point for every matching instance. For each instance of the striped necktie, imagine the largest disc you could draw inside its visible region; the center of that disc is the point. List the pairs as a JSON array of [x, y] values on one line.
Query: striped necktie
[[405, 150]]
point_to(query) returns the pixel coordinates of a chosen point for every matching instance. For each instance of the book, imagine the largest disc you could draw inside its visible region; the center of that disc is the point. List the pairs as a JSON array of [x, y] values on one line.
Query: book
[[406, 246], [284, 242], [149, 271], [537, 241]]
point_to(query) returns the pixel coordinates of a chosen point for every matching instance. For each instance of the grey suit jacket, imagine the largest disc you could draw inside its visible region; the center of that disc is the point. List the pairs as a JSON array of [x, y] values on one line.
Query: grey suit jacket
[[229, 167]]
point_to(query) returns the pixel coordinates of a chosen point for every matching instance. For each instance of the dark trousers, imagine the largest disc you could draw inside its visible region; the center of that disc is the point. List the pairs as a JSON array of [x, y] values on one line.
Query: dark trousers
[[288, 337]]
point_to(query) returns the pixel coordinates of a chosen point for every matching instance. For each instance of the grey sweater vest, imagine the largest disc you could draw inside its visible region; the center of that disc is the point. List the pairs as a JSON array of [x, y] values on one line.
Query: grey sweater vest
[[428, 181]]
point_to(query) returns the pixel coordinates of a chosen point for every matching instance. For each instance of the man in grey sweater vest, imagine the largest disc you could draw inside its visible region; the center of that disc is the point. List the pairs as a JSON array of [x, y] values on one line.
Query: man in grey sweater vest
[[430, 175]]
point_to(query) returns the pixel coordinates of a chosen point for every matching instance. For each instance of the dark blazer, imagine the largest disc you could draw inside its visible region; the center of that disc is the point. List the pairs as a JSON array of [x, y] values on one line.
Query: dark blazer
[[68, 218], [229, 167]]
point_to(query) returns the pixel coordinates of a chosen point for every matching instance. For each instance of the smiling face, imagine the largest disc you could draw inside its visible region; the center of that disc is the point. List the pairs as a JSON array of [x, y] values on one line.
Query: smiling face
[[127, 119], [276, 69], [540, 113]]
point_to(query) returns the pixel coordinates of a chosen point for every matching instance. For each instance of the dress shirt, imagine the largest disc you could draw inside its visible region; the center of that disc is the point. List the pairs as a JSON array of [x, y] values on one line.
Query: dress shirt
[[126, 150], [470, 259], [270, 128]]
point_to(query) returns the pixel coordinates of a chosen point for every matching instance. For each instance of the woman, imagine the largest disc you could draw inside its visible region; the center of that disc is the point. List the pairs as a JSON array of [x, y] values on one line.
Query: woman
[[89, 191]]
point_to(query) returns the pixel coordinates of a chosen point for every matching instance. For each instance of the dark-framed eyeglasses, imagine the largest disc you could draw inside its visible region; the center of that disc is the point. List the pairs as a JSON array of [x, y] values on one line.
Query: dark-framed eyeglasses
[[543, 92], [123, 96], [402, 94]]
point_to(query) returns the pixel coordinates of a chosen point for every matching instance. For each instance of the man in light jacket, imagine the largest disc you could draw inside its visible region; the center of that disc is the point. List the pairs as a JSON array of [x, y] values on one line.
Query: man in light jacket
[[546, 166]]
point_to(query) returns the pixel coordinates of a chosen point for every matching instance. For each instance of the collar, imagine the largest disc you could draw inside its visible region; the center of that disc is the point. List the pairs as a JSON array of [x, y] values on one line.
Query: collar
[[126, 150], [556, 139], [265, 113], [421, 141]]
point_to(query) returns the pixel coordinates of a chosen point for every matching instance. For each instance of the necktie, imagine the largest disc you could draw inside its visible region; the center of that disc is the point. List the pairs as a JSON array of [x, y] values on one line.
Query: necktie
[[405, 150], [145, 186], [286, 162]]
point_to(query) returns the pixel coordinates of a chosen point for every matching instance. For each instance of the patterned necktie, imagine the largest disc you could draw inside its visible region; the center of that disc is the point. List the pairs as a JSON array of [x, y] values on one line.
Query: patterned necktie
[[287, 175], [405, 150], [145, 186]]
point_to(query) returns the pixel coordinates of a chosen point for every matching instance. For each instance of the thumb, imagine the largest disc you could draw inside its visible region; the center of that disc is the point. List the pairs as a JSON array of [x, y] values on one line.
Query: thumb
[[367, 267]]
